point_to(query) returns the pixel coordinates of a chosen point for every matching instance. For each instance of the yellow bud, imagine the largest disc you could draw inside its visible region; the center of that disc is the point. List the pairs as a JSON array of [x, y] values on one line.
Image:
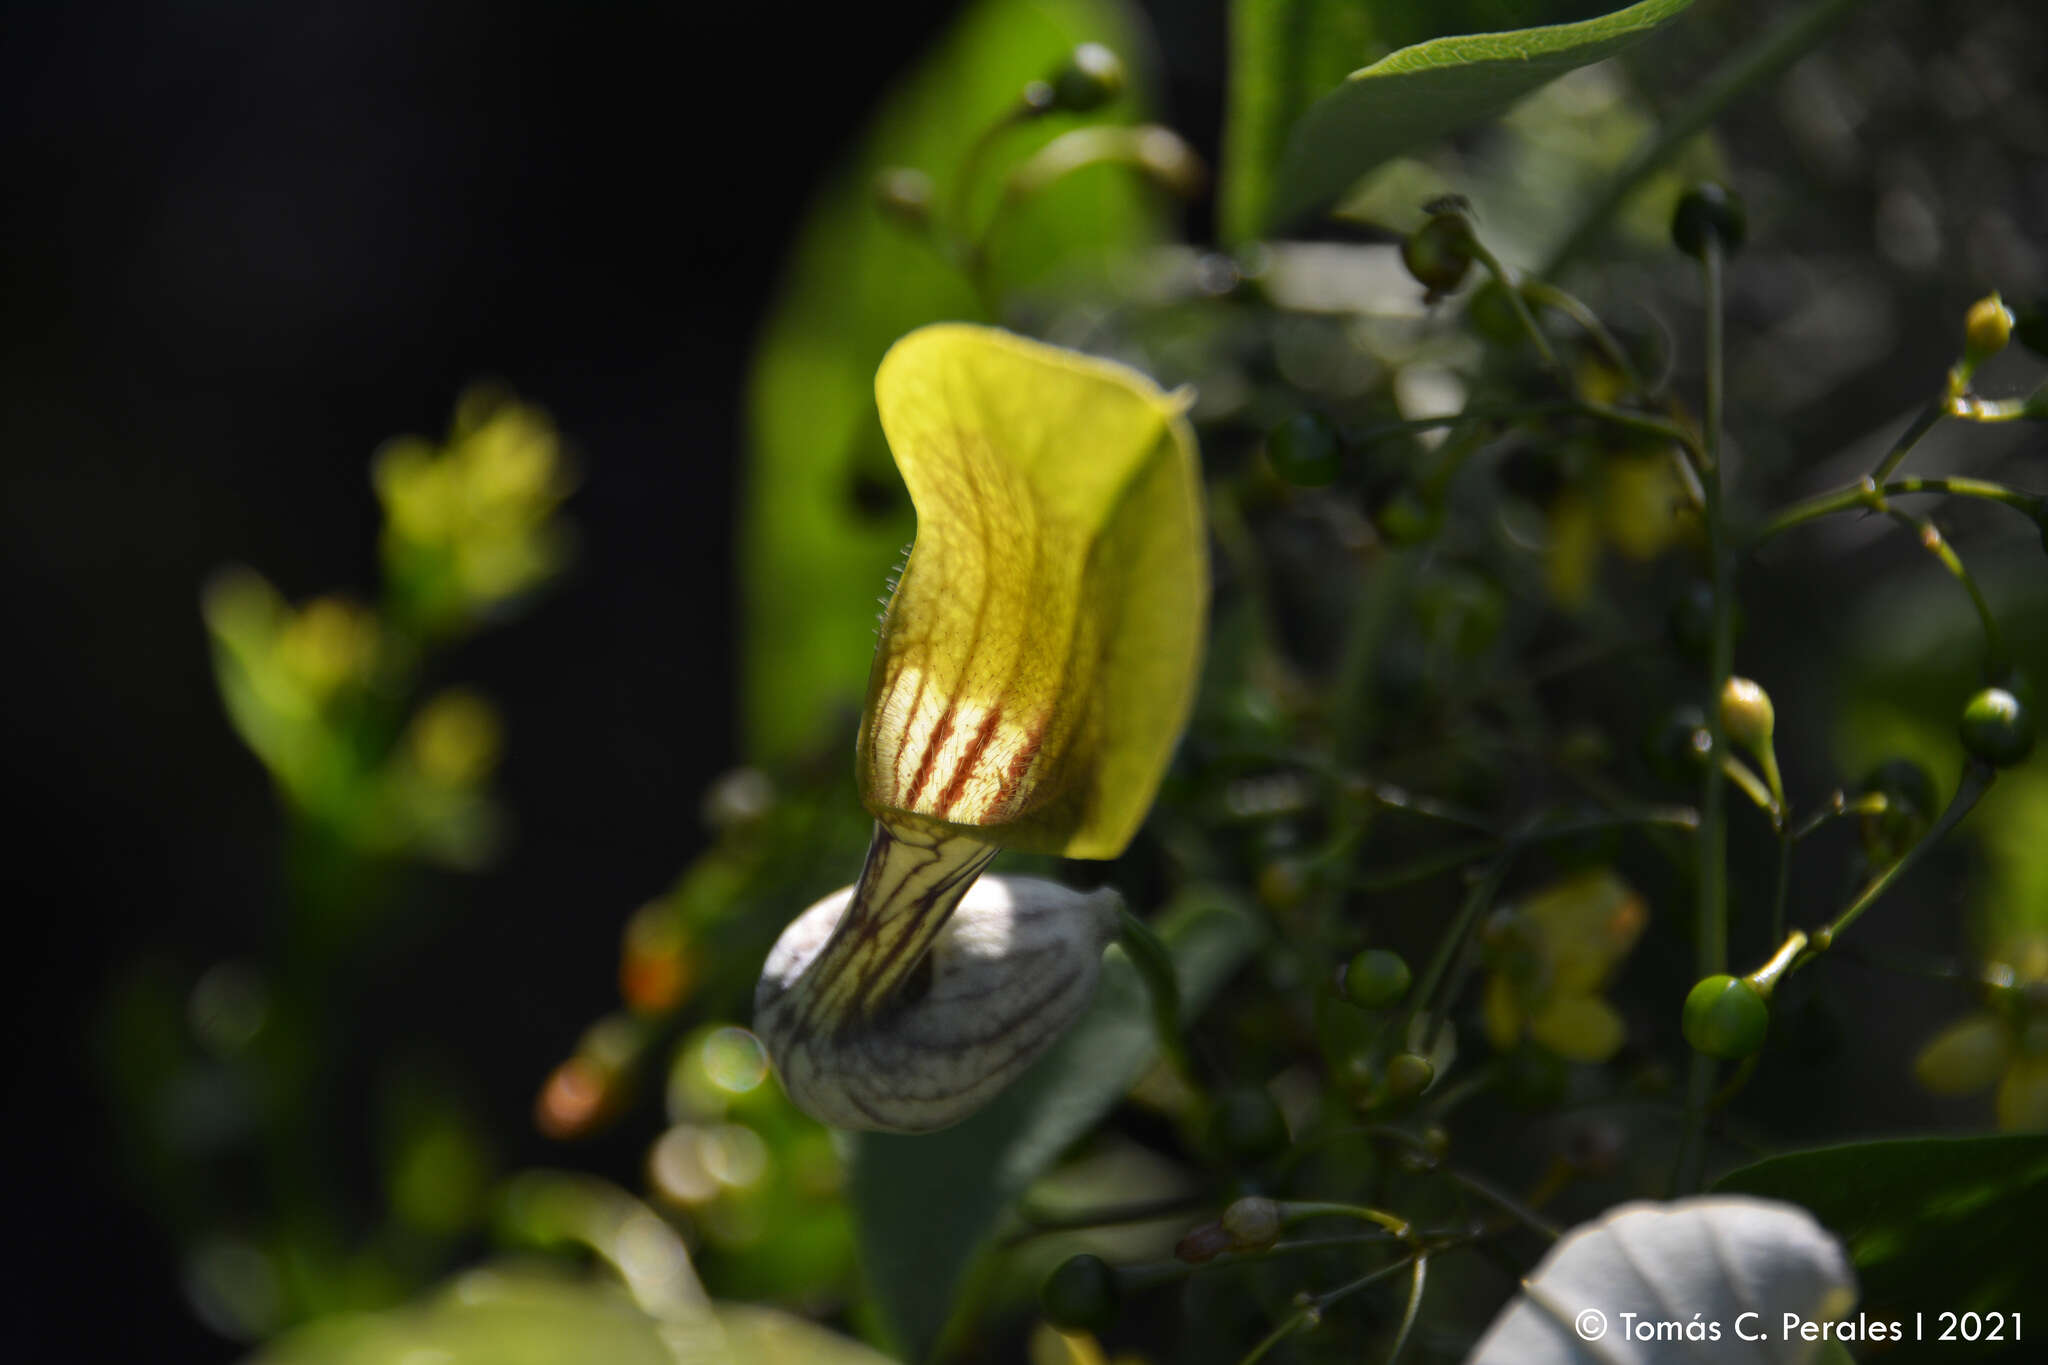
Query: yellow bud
[[1965, 1057], [1986, 330], [328, 644], [1746, 714]]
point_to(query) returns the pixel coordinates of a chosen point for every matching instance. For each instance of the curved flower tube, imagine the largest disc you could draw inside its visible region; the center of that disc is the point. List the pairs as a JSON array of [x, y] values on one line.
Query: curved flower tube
[[1035, 669]]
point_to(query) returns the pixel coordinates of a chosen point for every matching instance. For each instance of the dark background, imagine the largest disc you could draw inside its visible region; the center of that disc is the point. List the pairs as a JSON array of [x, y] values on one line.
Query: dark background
[[243, 245]]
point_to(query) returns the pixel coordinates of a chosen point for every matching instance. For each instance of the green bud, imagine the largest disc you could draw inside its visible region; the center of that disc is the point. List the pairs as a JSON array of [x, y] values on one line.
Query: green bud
[[1375, 979], [1726, 1017], [1997, 728], [1303, 449], [1091, 78], [1247, 1125], [1408, 518], [1746, 714], [1707, 210], [1987, 328], [1408, 1075], [1252, 1222], [1080, 1295], [1439, 253]]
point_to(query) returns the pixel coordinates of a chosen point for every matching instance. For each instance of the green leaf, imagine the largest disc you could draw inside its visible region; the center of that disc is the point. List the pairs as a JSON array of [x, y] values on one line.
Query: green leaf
[[824, 518], [1417, 95], [1932, 1224], [517, 1315], [924, 1205]]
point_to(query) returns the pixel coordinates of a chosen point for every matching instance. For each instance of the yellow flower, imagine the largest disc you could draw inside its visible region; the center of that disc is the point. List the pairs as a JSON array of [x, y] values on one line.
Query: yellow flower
[[1040, 653], [1552, 957], [2005, 1044], [1035, 669]]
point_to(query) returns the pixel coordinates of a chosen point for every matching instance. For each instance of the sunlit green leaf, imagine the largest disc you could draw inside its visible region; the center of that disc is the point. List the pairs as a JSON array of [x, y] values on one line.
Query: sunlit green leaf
[[925, 1204], [1413, 97], [1040, 653], [823, 518]]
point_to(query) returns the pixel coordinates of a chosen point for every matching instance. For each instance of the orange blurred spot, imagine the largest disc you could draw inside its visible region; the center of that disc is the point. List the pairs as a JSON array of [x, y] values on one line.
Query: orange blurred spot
[[656, 970], [577, 1100]]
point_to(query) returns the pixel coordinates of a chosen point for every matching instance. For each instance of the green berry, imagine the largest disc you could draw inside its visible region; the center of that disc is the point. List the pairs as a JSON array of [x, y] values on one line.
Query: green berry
[[1247, 1125], [1408, 1075], [1997, 728], [1091, 78], [1707, 210], [1080, 1295], [1439, 253], [1375, 979], [1726, 1017], [1303, 449]]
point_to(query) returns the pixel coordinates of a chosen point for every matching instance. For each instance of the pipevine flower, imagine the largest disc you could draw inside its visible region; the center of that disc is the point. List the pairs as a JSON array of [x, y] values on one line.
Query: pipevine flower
[[1035, 668]]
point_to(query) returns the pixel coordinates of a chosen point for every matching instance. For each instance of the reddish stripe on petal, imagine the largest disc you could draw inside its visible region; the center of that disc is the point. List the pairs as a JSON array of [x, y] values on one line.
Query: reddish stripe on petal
[[969, 762], [940, 734]]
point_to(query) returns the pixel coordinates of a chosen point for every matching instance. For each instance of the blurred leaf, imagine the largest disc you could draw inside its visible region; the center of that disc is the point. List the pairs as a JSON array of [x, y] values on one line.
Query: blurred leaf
[[824, 516], [515, 1315], [1932, 1224], [1284, 55], [925, 1204], [1419, 94], [1073, 659], [1715, 1258]]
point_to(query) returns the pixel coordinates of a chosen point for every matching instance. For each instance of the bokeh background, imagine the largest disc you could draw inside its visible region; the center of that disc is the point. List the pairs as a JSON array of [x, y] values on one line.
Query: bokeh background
[[246, 244]]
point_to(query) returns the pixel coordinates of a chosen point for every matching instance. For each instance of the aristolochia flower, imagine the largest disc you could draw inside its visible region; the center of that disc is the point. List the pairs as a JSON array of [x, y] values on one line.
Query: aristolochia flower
[[1035, 669]]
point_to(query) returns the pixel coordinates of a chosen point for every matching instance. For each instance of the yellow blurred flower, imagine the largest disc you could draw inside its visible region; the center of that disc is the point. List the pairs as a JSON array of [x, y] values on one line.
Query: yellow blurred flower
[[1552, 957], [2005, 1044]]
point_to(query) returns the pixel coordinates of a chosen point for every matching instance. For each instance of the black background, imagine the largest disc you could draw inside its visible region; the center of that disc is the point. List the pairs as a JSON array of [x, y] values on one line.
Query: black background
[[244, 244]]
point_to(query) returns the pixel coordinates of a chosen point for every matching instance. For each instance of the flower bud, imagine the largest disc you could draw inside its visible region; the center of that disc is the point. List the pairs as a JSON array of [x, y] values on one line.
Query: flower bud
[[1252, 1222], [1707, 210], [1986, 330], [1439, 253], [1726, 1017], [1746, 714], [1408, 1075]]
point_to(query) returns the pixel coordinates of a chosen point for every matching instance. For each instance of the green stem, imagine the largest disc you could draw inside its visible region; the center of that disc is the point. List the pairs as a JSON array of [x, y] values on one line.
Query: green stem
[[1414, 1307], [1977, 779], [1922, 423], [1511, 286], [1937, 545], [1868, 495], [1447, 947], [1711, 931], [1547, 295], [1155, 969], [1759, 61]]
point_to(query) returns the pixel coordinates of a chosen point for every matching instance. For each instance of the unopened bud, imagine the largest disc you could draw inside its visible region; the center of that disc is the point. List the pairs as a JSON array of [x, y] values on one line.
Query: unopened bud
[[1746, 714], [1986, 330], [1252, 1222], [905, 196]]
